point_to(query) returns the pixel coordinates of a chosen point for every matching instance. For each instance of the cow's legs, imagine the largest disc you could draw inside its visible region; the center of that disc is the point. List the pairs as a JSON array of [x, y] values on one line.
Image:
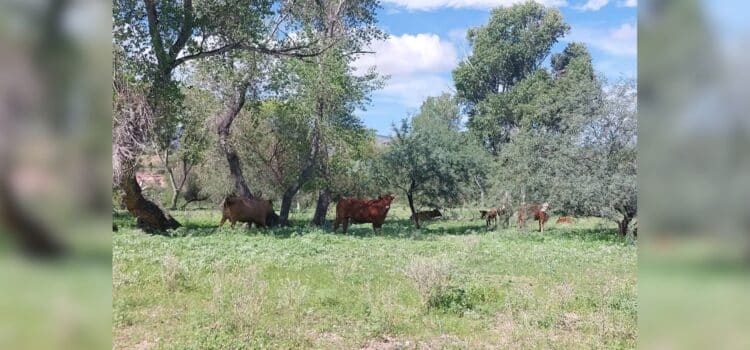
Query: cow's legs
[[233, 222], [346, 224], [335, 224], [223, 219]]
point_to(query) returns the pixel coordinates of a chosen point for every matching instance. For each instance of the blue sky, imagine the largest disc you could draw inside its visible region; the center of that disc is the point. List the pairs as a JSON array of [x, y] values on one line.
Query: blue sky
[[427, 40]]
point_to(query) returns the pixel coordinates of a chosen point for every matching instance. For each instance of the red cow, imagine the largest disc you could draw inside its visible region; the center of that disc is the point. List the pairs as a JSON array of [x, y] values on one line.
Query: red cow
[[362, 211], [539, 212], [565, 220]]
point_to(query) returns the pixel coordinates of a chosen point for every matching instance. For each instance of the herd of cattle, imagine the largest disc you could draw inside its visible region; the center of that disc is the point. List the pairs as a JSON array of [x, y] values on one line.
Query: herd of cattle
[[260, 212]]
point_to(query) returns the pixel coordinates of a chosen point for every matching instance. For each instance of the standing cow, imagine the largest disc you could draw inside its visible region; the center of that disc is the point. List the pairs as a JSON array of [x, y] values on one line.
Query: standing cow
[[250, 210], [362, 211], [539, 212]]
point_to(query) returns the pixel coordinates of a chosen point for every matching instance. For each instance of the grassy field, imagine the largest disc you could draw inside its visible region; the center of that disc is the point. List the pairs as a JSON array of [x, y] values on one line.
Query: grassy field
[[454, 285]]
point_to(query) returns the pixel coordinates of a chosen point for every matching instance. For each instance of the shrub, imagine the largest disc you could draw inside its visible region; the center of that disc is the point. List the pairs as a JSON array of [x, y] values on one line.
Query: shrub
[[429, 276]]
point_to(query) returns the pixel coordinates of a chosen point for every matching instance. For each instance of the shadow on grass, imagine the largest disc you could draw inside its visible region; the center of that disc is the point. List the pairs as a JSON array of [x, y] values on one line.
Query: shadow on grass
[[393, 228]]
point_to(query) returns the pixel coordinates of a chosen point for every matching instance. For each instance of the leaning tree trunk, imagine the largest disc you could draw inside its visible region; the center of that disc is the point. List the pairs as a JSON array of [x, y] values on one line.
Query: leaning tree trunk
[[149, 216], [321, 207], [224, 124], [414, 215]]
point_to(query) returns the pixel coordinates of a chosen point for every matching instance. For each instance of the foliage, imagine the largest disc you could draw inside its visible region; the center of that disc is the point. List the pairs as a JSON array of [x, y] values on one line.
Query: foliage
[[431, 160], [511, 46]]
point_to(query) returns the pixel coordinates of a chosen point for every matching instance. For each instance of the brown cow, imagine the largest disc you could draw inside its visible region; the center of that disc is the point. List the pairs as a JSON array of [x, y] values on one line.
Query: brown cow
[[250, 210], [564, 220], [539, 212], [491, 216], [362, 211], [427, 215]]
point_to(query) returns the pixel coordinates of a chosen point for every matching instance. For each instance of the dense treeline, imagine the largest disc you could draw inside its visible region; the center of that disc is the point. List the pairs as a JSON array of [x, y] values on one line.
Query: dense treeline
[[259, 100]]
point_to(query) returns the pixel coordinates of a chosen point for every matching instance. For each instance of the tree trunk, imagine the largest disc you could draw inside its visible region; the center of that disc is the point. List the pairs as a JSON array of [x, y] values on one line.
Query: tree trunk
[[321, 208], [149, 216], [286, 204], [623, 225], [224, 124], [235, 167], [481, 191], [414, 215], [175, 195]]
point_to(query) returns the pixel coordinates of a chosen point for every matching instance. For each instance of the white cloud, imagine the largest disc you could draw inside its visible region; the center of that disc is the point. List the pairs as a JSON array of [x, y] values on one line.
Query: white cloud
[[629, 3], [620, 41], [593, 5], [419, 66], [408, 54], [427, 5], [411, 90]]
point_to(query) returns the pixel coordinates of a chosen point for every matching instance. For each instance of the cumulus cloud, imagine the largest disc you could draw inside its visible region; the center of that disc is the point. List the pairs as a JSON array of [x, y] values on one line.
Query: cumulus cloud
[[593, 5], [620, 41], [427, 5], [419, 66], [407, 54], [411, 90], [629, 3]]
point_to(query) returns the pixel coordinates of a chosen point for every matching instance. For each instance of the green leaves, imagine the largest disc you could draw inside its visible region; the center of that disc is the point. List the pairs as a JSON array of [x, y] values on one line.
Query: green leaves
[[432, 158], [511, 46]]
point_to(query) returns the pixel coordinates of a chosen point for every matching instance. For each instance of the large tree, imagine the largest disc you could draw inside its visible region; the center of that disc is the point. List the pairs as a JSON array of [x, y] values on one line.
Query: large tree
[[507, 54], [431, 160]]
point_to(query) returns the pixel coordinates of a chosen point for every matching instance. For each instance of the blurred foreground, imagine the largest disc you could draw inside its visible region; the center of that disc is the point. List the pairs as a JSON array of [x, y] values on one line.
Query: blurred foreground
[[694, 175], [55, 245]]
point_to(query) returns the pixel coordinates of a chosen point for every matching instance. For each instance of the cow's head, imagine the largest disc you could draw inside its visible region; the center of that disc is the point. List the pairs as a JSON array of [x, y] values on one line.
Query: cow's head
[[436, 213], [386, 200]]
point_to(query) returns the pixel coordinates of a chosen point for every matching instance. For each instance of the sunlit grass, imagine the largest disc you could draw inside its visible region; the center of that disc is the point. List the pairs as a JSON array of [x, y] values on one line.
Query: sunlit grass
[[453, 284]]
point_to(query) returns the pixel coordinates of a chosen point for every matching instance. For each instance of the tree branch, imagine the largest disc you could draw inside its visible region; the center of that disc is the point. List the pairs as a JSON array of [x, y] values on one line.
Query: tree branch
[[185, 31], [153, 31]]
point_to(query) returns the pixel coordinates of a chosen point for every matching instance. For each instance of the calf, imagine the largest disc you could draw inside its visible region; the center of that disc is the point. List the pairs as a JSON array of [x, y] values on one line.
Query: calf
[[250, 210], [427, 215], [564, 220], [362, 211]]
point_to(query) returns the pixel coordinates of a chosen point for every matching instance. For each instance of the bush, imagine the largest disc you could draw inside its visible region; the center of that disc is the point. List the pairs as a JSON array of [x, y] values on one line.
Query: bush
[[429, 276], [458, 300]]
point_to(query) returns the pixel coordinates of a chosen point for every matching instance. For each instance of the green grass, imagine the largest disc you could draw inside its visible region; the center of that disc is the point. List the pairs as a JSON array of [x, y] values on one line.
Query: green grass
[[453, 285]]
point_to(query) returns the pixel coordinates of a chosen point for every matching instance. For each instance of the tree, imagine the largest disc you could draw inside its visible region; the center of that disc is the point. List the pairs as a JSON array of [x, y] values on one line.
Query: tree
[[189, 144], [431, 161], [157, 38], [497, 82], [511, 46], [609, 147]]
